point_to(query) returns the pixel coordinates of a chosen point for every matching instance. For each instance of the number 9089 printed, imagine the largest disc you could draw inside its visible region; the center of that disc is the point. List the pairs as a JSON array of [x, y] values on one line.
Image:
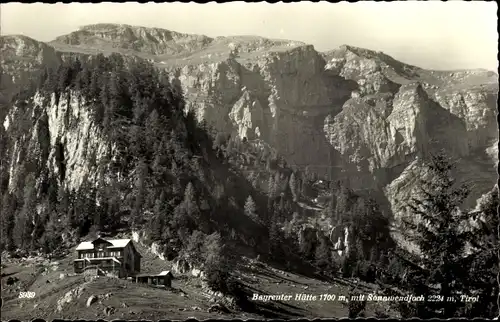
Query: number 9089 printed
[[26, 295]]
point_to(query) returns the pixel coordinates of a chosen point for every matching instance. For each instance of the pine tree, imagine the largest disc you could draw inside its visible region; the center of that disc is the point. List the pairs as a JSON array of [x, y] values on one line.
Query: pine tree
[[191, 202], [24, 221], [276, 239], [323, 255], [251, 209], [64, 73], [484, 265], [111, 215], [42, 78], [76, 69], [38, 229], [254, 179], [343, 205], [83, 81], [8, 221], [435, 227], [307, 242], [140, 187], [115, 94], [108, 109], [194, 247], [212, 249], [271, 192], [51, 238], [152, 129], [293, 187], [216, 263]]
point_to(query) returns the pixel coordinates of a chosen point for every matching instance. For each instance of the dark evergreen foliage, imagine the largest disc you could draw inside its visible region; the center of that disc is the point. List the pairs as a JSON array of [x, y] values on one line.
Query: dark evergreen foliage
[[442, 233]]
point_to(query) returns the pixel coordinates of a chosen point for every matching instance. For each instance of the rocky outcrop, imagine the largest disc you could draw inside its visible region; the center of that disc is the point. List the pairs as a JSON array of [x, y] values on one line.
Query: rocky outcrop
[[401, 112], [156, 249], [181, 266], [72, 295], [64, 140], [279, 96], [339, 236], [247, 115], [91, 300], [381, 132], [476, 107], [184, 266]]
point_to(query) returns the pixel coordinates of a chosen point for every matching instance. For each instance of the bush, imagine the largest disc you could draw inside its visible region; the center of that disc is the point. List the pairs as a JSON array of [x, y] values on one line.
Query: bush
[[356, 308], [366, 271], [217, 278], [379, 314]]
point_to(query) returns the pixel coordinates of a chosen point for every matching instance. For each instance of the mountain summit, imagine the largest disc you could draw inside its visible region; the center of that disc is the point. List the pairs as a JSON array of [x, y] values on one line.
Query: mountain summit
[[152, 41]]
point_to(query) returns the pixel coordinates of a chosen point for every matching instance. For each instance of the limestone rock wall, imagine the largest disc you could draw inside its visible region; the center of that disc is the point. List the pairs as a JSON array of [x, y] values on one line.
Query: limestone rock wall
[[64, 140], [279, 97]]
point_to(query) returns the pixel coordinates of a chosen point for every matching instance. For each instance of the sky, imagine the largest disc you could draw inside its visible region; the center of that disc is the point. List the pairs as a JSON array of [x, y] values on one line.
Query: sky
[[434, 34]]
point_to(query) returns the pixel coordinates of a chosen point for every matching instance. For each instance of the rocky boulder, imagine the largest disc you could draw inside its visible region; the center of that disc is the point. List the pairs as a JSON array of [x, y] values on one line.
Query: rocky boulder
[[92, 299]]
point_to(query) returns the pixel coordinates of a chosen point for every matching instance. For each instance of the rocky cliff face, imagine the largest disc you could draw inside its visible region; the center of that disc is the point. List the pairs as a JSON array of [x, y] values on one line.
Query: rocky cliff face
[[279, 97], [353, 109], [64, 140], [400, 113], [357, 114]]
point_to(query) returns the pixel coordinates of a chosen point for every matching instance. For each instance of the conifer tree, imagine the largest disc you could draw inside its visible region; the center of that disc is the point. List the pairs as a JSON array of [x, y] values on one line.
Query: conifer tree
[[323, 255], [251, 209], [254, 179], [191, 202], [484, 266], [24, 223], [64, 73], [140, 185], [115, 94], [271, 192], [276, 239], [152, 128], [216, 263], [293, 187], [435, 227], [8, 209]]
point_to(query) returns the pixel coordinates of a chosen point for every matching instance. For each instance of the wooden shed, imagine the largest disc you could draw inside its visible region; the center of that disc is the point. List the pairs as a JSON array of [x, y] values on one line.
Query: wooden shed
[[162, 279]]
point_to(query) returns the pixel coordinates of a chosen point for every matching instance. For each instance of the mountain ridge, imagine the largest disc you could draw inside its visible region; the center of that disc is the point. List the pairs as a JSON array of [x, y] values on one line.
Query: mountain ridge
[[287, 94], [111, 27], [256, 88]]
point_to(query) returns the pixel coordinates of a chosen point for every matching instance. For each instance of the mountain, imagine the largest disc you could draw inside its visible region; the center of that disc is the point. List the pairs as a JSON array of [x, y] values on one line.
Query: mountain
[[306, 104], [261, 142], [149, 41], [352, 114]]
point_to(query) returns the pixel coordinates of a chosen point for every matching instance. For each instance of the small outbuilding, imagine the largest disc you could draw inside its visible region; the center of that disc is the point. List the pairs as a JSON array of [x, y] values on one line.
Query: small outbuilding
[[162, 279]]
